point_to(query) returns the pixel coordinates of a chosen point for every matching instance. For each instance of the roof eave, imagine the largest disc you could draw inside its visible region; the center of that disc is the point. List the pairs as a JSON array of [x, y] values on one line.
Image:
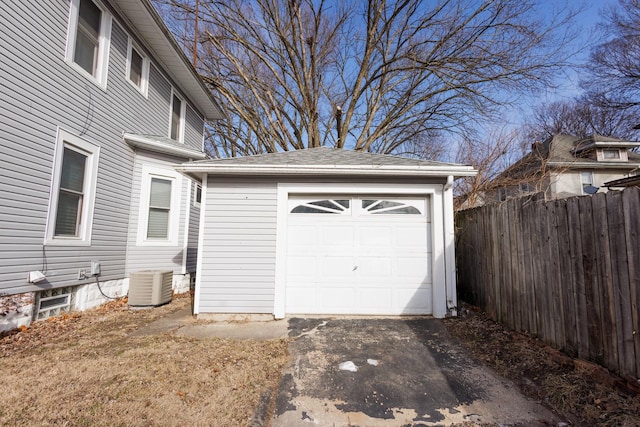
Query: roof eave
[[594, 165], [149, 25], [139, 141], [322, 170]]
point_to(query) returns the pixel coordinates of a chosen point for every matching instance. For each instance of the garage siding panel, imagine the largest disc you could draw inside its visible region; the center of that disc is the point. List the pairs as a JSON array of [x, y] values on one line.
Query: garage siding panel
[[239, 247]]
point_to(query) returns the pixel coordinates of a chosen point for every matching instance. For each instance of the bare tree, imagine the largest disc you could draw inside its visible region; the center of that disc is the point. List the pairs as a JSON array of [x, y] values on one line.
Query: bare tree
[[389, 73], [614, 69], [581, 117], [490, 155]]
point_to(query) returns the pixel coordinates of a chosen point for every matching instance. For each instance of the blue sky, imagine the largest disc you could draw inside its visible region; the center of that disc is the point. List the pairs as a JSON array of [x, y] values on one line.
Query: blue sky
[[588, 21]]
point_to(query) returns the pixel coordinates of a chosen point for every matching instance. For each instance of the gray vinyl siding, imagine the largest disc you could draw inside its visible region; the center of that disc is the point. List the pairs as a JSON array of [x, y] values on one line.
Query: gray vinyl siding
[[40, 92], [239, 247], [194, 229], [144, 257], [194, 126]]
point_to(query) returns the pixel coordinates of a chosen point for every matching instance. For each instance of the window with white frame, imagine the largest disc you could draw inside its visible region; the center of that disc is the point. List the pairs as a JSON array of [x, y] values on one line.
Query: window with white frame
[[611, 154], [586, 179], [178, 111], [159, 207], [137, 67], [88, 38], [197, 197], [73, 191]]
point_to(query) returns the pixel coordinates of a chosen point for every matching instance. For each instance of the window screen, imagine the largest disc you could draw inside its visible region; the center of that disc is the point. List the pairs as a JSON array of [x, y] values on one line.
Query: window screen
[[159, 209], [71, 193], [87, 36]]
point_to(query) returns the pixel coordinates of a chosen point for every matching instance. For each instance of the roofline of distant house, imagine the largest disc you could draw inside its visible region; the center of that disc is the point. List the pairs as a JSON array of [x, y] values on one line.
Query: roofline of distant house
[[594, 165]]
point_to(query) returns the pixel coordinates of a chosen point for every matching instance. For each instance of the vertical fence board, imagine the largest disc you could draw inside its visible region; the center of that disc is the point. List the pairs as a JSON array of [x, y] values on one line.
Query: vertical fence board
[[603, 260], [528, 220], [566, 279], [621, 282], [631, 209], [515, 248], [582, 336], [553, 269]]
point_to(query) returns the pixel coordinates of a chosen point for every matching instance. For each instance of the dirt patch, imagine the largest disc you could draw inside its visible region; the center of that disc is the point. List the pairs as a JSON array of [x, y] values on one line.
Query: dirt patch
[[86, 369], [577, 390]]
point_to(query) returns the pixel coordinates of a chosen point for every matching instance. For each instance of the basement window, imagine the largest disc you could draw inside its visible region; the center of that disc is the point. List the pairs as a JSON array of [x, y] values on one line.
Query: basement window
[[53, 302]]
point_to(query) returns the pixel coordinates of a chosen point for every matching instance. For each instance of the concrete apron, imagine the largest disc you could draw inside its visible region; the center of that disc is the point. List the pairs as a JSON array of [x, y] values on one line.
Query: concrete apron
[[402, 373]]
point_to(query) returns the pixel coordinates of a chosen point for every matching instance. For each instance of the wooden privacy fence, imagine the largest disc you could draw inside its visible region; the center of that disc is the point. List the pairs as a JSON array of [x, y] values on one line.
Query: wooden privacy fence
[[565, 270]]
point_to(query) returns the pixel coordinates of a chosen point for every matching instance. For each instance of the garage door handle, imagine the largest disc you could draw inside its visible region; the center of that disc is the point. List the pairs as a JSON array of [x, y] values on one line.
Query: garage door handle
[[355, 268]]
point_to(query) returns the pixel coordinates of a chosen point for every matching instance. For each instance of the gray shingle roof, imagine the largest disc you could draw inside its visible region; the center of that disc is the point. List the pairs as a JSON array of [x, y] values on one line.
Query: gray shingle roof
[[325, 156], [326, 161]]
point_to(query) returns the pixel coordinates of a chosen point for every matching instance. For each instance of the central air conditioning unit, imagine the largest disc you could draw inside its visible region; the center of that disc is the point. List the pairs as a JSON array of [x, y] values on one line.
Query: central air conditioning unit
[[150, 288]]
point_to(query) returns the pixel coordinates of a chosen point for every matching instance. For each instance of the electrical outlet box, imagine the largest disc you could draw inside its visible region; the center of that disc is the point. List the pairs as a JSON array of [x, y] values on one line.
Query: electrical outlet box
[[82, 275], [95, 268]]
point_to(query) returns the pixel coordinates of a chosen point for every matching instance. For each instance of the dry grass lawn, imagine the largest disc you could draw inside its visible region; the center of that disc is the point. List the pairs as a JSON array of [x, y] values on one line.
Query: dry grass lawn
[[86, 369]]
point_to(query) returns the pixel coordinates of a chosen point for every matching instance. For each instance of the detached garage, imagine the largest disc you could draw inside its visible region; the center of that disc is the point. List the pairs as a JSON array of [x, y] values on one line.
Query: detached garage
[[326, 231]]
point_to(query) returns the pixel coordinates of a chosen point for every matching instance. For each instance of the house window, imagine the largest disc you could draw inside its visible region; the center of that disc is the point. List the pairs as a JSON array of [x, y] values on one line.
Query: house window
[[88, 38], [137, 67], [197, 199], [73, 191], [611, 154], [526, 187], [502, 194], [586, 179], [159, 207], [176, 130]]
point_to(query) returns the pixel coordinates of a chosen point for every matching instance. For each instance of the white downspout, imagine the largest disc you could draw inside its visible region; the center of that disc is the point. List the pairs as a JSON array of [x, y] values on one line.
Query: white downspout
[[449, 246]]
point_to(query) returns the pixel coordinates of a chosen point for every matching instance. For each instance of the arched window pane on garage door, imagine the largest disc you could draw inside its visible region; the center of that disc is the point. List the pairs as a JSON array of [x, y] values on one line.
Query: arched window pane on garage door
[[378, 206], [327, 206]]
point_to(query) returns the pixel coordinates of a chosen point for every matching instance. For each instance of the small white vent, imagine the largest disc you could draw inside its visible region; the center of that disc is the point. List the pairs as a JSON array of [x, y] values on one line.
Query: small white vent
[[150, 288]]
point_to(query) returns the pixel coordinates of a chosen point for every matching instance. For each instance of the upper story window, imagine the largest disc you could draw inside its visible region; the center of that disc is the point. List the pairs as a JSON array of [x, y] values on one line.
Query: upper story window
[[137, 67], [88, 39], [73, 191], [178, 111], [611, 154]]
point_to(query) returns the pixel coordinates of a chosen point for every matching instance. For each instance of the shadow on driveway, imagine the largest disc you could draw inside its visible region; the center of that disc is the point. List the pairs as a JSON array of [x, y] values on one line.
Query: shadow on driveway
[[404, 372]]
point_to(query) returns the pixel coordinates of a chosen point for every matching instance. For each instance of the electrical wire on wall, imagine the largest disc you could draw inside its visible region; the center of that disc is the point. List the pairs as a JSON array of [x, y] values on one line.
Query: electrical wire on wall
[[103, 294]]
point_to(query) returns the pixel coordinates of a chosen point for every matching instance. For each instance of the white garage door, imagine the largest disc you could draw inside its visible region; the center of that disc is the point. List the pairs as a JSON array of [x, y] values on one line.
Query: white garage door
[[358, 255]]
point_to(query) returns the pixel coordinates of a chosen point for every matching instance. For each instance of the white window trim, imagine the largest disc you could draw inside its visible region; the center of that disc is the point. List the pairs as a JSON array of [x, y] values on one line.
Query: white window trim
[[149, 172], [144, 84], [195, 195], [582, 181], [183, 115], [90, 182], [103, 39]]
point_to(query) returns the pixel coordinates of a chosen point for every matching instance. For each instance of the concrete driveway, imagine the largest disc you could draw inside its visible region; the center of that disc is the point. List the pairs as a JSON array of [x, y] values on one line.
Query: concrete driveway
[[403, 372]]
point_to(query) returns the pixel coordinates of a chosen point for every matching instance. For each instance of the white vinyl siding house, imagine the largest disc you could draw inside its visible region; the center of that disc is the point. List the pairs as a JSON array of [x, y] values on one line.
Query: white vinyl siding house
[[67, 174]]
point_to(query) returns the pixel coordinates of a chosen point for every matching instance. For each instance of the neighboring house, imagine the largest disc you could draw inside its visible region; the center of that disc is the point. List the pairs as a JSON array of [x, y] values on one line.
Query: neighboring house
[[564, 166], [325, 231], [98, 105]]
